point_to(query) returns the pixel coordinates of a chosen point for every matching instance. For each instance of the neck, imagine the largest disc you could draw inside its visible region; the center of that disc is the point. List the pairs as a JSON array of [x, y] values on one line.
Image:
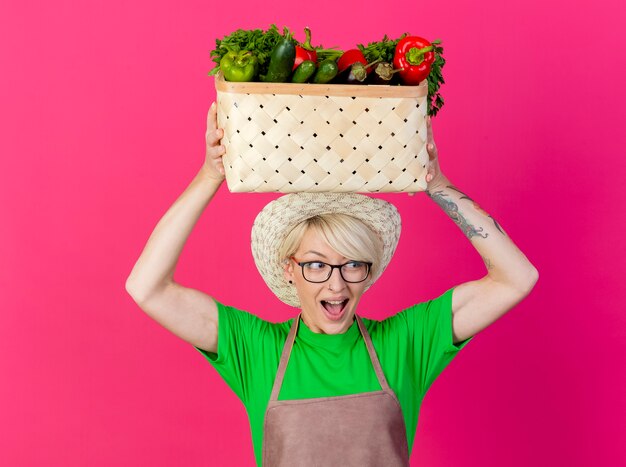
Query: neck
[[340, 328]]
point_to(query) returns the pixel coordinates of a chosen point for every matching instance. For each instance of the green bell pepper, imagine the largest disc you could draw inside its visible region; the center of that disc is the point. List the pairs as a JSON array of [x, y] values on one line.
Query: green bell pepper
[[239, 66]]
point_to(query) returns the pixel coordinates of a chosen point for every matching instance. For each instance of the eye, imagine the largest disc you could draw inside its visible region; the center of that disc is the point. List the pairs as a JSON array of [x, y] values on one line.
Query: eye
[[354, 265], [314, 265]]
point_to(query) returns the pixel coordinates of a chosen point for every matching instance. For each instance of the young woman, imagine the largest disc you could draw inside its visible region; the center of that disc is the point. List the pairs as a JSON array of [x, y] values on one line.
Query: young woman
[[328, 386]]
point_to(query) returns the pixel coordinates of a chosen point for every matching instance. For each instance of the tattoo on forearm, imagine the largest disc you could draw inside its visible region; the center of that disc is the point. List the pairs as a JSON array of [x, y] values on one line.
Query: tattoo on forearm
[[452, 210], [459, 191], [487, 262], [478, 208]]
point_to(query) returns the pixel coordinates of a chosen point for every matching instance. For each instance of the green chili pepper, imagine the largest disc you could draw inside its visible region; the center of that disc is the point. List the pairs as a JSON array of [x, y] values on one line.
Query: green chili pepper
[[239, 66]]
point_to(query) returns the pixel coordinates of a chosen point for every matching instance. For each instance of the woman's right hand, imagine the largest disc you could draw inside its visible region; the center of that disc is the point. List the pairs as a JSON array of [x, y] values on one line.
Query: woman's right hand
[[213, 165]]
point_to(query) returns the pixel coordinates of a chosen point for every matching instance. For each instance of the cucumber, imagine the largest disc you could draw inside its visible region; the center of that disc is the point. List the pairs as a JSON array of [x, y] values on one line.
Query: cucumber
[[326, 71], [281, 62], [304, 71]]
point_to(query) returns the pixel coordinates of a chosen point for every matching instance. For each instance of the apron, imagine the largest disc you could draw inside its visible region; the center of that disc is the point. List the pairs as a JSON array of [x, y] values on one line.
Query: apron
[[365, 429]]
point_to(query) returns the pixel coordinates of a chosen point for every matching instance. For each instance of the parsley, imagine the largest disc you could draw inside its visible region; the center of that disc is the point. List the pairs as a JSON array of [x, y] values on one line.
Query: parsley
[[435, 80], [384, 49], [260, 42]]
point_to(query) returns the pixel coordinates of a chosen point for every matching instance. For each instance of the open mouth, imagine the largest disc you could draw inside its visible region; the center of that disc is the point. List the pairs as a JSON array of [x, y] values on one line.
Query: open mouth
[[334, 309]]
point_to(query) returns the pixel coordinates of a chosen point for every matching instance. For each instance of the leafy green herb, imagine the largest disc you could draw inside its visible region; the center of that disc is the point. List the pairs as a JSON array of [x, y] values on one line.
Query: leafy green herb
[[259, 42], [435, 80], [323, 54], [384, 49]]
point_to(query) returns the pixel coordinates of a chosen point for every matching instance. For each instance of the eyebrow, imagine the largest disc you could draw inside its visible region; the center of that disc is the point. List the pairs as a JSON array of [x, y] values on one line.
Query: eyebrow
[[315, 253], [319, 254]]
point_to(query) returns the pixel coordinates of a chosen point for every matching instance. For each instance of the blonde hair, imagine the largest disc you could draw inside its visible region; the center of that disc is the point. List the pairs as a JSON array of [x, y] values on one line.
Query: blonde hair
[[347, 235]]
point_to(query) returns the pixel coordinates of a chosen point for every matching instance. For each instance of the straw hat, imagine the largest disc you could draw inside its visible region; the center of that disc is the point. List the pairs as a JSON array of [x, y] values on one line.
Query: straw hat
[[280, 216]]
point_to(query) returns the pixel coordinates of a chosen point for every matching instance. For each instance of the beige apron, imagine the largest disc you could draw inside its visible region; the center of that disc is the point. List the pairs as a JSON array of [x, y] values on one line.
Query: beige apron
[[365, 429]]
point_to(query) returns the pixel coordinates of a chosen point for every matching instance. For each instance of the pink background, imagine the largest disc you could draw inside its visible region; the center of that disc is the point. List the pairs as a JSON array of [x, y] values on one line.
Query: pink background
[[102, 127]]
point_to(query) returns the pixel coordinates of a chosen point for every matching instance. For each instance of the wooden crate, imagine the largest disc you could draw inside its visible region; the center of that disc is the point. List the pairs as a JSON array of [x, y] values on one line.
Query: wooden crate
[[287, 137]]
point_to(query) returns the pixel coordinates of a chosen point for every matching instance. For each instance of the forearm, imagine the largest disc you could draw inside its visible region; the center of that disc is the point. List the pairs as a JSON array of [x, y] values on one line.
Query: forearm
[[156, 264], [504, 261]]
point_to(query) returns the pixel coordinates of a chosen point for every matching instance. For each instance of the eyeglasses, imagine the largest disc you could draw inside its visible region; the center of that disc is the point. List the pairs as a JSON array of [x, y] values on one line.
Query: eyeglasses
[[318, 271]]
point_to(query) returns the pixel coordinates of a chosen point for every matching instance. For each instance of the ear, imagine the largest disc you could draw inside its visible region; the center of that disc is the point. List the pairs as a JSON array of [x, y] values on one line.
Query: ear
[[288, 270]]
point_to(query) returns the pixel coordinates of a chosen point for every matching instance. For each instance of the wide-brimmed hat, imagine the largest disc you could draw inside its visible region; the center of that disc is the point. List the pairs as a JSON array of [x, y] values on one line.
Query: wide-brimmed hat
[[279, 217]]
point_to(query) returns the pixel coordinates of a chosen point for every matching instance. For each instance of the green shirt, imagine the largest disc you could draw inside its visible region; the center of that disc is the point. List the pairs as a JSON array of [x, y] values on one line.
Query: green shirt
[[413, 346]]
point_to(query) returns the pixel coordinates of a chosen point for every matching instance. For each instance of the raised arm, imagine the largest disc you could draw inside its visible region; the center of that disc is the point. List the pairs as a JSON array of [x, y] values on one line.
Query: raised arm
[[188, 313], [510, 275]]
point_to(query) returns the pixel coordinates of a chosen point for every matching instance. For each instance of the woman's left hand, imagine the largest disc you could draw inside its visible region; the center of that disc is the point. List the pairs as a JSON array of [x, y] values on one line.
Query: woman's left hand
[[434, 177]]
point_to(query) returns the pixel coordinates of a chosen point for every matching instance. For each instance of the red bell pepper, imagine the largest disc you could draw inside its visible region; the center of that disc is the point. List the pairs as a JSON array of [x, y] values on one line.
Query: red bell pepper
[[349, 58], [414, 55], [305, 51]]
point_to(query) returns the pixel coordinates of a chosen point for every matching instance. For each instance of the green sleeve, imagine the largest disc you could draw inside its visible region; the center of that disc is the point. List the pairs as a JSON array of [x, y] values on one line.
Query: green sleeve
[[241, 337], [430, 338]]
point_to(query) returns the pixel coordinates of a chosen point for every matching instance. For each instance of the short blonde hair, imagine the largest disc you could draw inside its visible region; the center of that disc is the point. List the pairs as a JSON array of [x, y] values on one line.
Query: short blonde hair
[[347, 235]]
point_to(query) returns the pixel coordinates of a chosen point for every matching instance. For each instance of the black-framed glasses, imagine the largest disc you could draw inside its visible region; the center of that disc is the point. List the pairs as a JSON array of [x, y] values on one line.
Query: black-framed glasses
[[318, 271]]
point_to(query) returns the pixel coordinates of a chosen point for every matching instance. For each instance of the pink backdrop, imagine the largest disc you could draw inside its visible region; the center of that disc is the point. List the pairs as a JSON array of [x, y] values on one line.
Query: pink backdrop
[[102, 127]]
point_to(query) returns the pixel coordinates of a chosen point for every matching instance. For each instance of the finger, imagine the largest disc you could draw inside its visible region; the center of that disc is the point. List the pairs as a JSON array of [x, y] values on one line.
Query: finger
[[432, 155], [211, 118], [213, 137], [429, 128], [217, 151], [432, 151]]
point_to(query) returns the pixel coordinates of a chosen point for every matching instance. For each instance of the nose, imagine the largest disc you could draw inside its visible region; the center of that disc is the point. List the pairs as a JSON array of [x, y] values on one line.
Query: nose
[[335, 281]]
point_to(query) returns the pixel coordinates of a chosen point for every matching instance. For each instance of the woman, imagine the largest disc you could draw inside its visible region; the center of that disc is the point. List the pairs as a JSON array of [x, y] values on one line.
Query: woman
[[328, 386]]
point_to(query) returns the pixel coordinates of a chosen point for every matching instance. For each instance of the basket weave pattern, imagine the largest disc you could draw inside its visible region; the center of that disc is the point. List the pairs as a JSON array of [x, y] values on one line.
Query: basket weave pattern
[[279, 142]]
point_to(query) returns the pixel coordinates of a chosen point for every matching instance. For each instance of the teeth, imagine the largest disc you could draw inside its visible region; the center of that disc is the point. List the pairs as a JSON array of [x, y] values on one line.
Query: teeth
[[338, 302]]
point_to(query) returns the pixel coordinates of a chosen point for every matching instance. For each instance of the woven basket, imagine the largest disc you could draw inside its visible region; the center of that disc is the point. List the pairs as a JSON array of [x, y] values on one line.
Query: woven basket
[[286, 137]]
